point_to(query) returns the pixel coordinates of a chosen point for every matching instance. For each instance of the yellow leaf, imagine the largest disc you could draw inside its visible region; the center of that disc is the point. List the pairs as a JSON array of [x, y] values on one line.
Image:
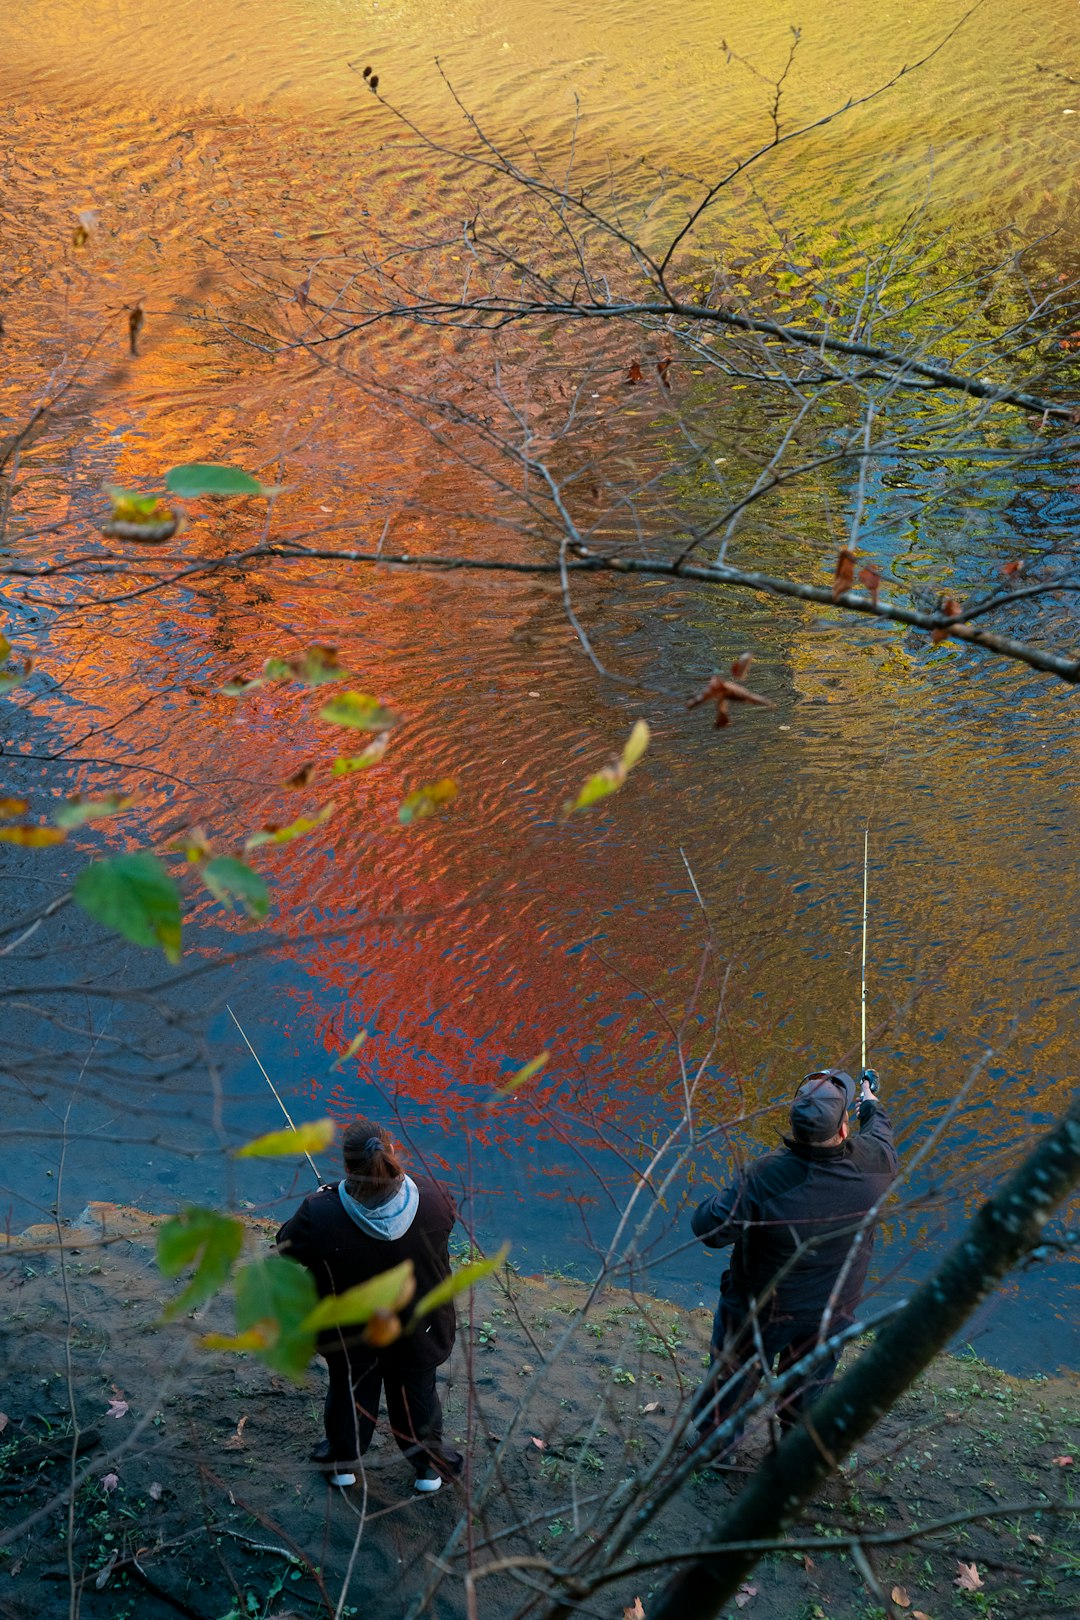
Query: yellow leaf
[[424, 802], [310, 1138], [636, 744], [459, 1281], [32, 837], [612, 777], [350, 1051], [5, 645], [390, 1291], [285, 835], [255, 1338], [360, 762], [523, 1074], [14, 807]]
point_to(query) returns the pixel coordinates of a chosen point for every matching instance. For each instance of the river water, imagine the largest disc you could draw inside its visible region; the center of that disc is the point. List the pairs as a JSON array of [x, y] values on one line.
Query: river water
[[218, 146]]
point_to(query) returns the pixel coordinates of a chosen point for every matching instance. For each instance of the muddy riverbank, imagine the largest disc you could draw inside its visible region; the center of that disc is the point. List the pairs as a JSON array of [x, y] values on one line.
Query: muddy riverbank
[[197, 1498]]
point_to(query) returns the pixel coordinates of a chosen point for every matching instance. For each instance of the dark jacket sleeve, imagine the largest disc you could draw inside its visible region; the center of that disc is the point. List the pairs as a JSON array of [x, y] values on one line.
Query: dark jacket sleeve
[[876, 1133], [719, 1220], [294, 1238]]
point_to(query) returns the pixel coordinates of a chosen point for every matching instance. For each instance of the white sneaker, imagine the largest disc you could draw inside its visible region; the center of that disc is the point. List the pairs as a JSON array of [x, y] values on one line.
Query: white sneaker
[[342, 1481], [428, 1482]]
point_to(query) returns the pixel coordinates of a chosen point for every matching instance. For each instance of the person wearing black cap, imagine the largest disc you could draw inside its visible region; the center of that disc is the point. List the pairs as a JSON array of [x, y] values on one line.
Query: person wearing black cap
[[796, 1223], [345, 1234]]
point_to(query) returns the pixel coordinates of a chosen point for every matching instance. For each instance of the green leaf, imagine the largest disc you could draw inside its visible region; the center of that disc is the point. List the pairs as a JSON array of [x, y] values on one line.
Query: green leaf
[[360, 762], [202, 1238], [284, 835], [319, 665], [195, 478], [612, 777], [357, 711], [11, 678], [76, 811], [278, 1294], [389, 1291], [229, 879], [135, 896], [457, 1283], [424, 802], [310, 1138], [523, 1074]]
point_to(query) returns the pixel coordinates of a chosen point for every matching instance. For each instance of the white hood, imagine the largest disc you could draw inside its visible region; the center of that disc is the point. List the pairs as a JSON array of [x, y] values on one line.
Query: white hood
[[386, 1221]]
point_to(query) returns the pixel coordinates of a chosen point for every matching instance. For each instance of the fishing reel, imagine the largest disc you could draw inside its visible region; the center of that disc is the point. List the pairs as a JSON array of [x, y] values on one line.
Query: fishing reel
[[869, 1077]]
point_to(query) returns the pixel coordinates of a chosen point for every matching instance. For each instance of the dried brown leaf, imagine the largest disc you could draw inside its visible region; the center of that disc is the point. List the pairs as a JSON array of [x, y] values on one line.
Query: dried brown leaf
[[900, 1597], [968, 1578], [634, 374], [871, 580], [844, 573], [744, 1595], [235, 1442], [635, 1611]]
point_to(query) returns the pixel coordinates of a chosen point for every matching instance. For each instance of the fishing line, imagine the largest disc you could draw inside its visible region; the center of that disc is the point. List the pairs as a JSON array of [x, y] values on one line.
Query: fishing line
[[273, 1088]]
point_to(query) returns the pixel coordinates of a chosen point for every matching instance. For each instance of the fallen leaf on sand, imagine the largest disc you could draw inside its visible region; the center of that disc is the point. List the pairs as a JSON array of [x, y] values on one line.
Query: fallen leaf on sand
[[651, 1406], [900, 1597], [110, 1481], [117, 1409], [919, 1614], [1061, 1462], [3, 1421], [235, 1442], [635, 1611], [1036, 1541], [541, 1445], [155, 1492], [744, 1594], [807, 1562], [968, 1578], [526, 1369]]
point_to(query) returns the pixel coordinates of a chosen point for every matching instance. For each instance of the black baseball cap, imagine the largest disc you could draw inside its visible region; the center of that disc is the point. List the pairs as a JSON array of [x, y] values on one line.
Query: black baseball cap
[[819, 1106]]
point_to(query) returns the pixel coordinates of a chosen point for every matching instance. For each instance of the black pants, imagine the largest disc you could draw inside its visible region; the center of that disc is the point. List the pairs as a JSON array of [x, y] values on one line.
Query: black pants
[[357, 1380], [735, 1355]]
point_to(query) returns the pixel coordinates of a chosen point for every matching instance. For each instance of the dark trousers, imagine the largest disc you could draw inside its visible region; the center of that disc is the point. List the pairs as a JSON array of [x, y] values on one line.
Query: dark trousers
[[357, 1381], [737, 1356]]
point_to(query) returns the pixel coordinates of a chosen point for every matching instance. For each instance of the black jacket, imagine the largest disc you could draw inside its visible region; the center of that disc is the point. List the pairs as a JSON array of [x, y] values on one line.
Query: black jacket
[[325, 1239], [797, 1195]]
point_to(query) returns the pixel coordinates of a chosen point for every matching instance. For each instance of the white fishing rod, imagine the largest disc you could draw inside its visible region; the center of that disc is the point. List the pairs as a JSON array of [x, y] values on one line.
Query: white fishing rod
[[865, 869], [868, 1075], [277, 1095]]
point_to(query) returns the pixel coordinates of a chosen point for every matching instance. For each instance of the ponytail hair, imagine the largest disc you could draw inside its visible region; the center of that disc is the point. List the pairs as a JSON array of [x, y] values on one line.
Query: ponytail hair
[[372, 1171]]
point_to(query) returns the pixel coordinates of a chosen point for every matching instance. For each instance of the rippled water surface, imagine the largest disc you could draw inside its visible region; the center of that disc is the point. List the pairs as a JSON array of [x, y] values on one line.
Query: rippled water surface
[[224, 146]]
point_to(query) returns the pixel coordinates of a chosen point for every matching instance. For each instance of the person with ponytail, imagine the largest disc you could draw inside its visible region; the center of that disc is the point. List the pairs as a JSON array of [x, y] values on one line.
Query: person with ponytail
[[375, 1217]]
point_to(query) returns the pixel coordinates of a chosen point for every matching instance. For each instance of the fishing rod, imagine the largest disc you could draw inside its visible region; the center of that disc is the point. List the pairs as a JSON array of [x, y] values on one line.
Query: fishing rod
[[274, 1089], [869, 1075], [865, 867]]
